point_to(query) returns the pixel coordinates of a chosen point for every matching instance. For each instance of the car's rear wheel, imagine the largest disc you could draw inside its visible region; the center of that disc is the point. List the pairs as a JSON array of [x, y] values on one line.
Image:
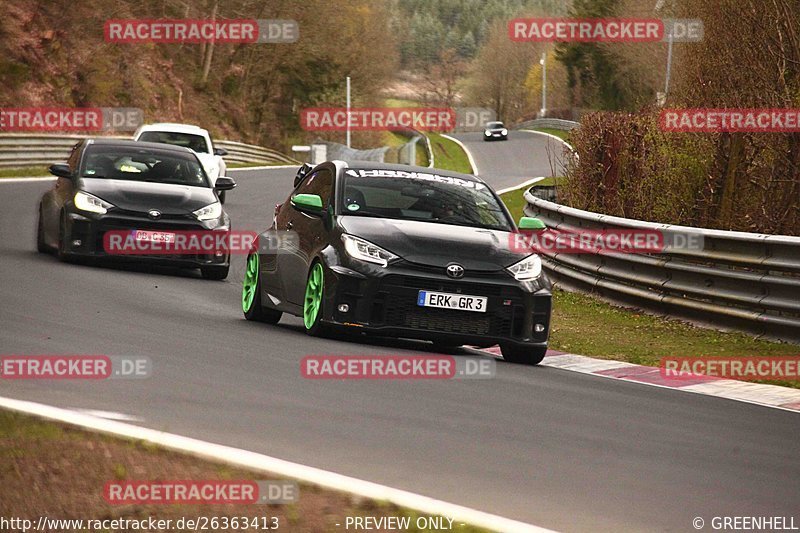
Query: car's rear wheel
[[521, 354], [312, 303], [41, 245], [215, 272], [251, 294]]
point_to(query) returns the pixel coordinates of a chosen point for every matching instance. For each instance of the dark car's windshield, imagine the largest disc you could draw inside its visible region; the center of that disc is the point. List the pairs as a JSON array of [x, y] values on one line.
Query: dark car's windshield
[[421, 196], [187, 140], [493, 125], [137, 164]]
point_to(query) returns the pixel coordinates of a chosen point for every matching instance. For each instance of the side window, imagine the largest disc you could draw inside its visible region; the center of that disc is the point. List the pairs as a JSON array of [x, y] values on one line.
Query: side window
[[74, 157], [320, 183]]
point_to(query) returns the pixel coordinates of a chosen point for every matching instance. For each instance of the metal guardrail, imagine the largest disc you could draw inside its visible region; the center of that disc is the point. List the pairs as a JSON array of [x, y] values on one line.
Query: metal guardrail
[[21, 150], [737, 280], [552, 123]]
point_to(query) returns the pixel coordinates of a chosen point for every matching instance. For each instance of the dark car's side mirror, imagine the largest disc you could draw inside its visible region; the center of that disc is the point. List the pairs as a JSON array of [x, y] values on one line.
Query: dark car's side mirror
[[308, 203], [62, 171], [531, 223], [220, 152], [224, 183], [301, 173]]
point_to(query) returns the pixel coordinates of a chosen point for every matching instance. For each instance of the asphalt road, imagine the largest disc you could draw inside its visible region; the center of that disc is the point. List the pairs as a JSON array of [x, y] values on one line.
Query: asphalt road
[[525, 155], [558, 449]]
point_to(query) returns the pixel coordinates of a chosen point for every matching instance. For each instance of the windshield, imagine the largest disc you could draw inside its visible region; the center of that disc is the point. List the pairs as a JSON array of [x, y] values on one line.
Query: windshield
[[421, 196], [136, 164], [492, 125], [187, 140]]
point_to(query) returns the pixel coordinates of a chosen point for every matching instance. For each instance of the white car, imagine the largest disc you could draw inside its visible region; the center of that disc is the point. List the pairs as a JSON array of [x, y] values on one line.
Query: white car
[[192, 137]]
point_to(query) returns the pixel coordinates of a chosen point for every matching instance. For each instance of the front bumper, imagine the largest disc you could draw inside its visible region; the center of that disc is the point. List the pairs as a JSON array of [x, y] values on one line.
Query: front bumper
[[84, 236], [384, 301]]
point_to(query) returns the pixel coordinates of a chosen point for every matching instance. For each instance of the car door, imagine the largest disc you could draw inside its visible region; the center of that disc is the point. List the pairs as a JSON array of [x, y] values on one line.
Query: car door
[[309, 231]]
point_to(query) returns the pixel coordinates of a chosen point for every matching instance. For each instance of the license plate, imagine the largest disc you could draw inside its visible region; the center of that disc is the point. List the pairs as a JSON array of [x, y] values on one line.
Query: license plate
[[443, 300], [154, 236]]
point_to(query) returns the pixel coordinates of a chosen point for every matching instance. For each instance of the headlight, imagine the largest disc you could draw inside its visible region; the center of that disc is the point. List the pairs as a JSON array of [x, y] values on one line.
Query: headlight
[[88, 202], [366, 251], [504, 132], [528, 269], [209, 212], [487, 133]]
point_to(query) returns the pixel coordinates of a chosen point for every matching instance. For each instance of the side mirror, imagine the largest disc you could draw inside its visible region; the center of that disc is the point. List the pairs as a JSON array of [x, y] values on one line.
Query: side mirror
[[531, 223], [224, 183], [301, 173], [220, 152], [62, 171], [308, 203]]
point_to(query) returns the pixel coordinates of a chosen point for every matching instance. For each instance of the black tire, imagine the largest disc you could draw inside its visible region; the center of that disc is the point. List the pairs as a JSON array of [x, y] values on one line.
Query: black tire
[[41, 245], [215, 272], [61, 252], [523, 355], [257, 312]]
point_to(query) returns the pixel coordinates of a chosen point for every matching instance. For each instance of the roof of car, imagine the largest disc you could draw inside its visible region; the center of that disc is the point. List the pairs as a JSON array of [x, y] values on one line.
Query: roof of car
[[105, 141], [372, 165], [173, 128]]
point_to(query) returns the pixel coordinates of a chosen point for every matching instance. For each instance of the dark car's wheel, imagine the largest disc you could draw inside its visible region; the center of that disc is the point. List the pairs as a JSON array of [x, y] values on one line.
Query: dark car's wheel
[[312, 303], [521, 354], [251, 294], [215, 272], [41, 245], [61, 251]]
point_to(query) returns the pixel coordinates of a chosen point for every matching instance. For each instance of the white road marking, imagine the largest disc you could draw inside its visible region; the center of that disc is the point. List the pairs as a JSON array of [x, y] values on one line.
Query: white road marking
[[469, 154]]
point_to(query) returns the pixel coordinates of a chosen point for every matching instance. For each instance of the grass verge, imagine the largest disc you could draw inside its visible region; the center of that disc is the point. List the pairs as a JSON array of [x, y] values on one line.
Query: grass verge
[[586, 325], [55, 470], [561, 134], [448, 155], [24, 172]]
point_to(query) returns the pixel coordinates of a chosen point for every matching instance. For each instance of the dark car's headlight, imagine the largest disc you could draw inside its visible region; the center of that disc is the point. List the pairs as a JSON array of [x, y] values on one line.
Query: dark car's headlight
[[504, 132], [209, 212], [358, 248], [487, 132], [528, 269], [91, 203]]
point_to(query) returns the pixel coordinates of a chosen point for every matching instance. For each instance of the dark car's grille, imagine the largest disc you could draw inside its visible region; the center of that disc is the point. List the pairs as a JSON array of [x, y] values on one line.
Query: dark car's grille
[[396, 305]]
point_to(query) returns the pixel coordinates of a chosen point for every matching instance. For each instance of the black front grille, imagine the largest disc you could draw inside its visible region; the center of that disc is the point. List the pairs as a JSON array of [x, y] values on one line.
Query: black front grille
[[395, 304]]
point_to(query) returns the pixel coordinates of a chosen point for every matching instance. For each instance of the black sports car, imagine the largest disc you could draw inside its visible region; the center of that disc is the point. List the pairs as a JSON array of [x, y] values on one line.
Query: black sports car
[[401, 251], [495, 130], [147, 190]]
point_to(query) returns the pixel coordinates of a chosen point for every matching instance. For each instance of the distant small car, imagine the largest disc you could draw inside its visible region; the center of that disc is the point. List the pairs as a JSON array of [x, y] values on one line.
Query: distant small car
[[401, 251], [495, 131], [150, 191], [189, 136]]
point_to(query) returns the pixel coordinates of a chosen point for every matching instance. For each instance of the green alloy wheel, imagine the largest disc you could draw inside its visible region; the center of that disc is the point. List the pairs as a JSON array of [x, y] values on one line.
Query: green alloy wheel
[[313, 300], [251, 294]]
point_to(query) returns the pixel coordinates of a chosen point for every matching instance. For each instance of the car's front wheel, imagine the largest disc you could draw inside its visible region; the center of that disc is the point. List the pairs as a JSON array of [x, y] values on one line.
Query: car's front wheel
[[251, 294], [41, 245], [312, 303], [523, 355]]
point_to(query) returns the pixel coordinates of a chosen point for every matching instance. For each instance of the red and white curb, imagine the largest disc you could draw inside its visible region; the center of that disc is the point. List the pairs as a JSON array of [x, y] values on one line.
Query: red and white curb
[[756, 393]]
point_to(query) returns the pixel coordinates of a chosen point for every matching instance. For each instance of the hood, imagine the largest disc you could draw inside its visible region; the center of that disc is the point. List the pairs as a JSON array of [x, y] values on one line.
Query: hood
[[210, 164], [143, 196], [433, 244]]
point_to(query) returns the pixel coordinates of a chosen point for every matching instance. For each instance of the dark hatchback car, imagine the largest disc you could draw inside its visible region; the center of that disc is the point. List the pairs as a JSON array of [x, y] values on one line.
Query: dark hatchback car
[[150, 190], [495, 131], [404, 252]]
